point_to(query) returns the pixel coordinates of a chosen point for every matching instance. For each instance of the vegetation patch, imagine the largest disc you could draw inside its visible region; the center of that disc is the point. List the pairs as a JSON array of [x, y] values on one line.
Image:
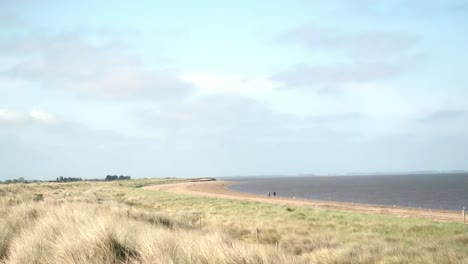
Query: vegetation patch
[[38, 197], [115, 222], [121, 252]]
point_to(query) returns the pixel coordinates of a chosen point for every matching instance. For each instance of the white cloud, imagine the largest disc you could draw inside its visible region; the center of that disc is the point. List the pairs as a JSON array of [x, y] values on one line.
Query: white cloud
[[361, 57], [69, 62], [325, 78], [16, 117], [374, 45], [216, 83], [43, 116], [7, 115]]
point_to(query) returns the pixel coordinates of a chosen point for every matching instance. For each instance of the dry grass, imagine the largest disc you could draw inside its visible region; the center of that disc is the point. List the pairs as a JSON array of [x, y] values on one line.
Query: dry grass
[[82, 228], [117, 222]]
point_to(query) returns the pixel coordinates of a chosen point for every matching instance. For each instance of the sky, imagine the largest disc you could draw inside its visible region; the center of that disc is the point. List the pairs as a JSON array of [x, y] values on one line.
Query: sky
[[217, 88]]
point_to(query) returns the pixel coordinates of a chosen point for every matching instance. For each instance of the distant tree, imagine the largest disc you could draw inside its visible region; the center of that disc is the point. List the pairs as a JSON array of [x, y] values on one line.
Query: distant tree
[[20, 179], [115, 177], [68, 179], [8, 181]]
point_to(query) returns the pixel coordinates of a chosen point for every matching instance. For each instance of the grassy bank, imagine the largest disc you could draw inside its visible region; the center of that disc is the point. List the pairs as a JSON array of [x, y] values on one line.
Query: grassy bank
[[118, 222]]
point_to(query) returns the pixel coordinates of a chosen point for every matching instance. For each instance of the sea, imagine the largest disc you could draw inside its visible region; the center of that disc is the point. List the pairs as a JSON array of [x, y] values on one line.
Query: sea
[[448, 191]]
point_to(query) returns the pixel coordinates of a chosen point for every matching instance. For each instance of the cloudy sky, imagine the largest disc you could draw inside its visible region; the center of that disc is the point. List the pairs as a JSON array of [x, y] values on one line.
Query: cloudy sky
[[217, 88]]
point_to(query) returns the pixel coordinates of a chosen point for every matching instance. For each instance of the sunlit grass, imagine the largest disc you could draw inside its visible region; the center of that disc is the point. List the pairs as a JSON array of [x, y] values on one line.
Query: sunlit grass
[[121, 222]]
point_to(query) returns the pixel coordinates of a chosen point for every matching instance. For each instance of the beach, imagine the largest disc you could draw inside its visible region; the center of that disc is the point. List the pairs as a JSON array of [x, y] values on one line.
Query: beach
[[183, 221], [219, 189]]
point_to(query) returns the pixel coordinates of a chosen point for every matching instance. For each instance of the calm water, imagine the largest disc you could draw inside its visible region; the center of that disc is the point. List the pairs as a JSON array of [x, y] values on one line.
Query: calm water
[[437, 191]]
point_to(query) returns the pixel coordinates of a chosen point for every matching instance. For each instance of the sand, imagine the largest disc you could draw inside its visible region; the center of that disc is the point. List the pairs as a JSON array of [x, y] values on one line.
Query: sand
[[218, 189]]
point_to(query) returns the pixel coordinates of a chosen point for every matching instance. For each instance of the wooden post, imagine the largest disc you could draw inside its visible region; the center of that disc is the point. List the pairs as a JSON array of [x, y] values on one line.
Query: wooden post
[[277, 245], [430, 213], [200, 221], [464, 215], [256, 234]]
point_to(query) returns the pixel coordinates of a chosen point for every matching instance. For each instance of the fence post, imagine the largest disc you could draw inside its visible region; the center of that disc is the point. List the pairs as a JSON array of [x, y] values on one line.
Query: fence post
[[464, 215], [277, 245], [200, 221], [430, 213], [256, 234]]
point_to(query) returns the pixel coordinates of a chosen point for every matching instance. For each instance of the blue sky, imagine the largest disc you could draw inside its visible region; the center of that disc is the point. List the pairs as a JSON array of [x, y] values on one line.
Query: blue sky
[[206, 88]]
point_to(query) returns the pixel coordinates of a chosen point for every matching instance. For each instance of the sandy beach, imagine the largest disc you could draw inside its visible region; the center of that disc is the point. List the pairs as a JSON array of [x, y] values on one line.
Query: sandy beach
[[219, 189]]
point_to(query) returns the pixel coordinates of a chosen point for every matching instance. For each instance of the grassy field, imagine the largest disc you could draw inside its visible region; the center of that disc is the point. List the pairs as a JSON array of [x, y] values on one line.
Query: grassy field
[[119, 222]]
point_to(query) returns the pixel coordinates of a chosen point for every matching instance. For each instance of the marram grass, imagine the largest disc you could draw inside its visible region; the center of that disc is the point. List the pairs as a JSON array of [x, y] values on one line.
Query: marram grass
[[118, 222]]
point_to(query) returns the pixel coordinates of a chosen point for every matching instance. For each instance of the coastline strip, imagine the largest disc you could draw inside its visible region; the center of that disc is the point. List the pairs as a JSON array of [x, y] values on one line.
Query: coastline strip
[[218, 189]]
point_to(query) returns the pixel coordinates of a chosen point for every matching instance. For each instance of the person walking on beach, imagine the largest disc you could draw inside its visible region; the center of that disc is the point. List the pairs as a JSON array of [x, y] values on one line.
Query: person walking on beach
[[268, 194], [274, 194]]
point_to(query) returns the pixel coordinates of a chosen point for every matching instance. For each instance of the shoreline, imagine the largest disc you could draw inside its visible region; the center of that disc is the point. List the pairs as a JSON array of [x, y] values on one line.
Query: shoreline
[[356, 203], [219, 189]]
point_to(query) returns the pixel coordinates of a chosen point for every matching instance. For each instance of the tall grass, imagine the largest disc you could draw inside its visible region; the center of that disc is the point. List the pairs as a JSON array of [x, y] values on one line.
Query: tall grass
[[118, 222], [73, 230]]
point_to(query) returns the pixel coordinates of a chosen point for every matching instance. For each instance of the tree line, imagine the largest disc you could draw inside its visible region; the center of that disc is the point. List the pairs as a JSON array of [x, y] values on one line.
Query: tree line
[[117, 178], [19, 180], [68, 179]]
